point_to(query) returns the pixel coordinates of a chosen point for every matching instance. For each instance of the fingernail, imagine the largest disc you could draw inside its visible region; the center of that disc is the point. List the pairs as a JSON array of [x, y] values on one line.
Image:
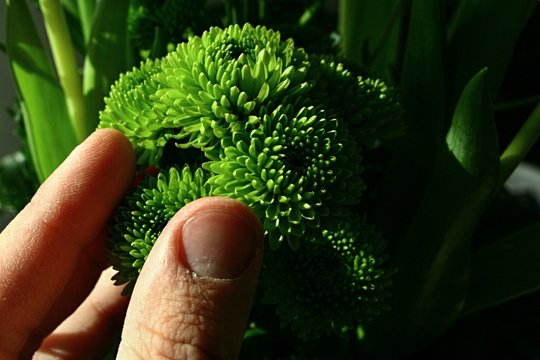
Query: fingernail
[[218, 244]]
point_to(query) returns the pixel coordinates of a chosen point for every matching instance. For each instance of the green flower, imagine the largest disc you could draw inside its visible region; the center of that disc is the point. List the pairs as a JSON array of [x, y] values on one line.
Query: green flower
[[370, 108], [141, 217], [333, 283], [130, 110], [217, 84], [291, 170]]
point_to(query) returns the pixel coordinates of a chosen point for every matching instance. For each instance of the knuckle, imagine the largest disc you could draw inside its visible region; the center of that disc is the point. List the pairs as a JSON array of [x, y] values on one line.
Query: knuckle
[[182, 327]]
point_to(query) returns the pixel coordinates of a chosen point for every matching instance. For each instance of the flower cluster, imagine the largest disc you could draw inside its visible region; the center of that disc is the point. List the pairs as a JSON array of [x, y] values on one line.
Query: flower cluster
[[312, 298], [139, 220], [267, 125]]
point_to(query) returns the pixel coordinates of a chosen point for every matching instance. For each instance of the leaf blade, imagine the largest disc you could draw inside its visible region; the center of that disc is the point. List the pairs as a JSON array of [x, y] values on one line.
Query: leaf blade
[[489, 45], [50, 135], [433, 259], [106, 57], [502, 270]]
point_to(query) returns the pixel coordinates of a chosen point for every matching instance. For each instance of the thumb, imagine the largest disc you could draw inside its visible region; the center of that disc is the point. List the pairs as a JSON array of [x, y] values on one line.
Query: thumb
[[194, 293]]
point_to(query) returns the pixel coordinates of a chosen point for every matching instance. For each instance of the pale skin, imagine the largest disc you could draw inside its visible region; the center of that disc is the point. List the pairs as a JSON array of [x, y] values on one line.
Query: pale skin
[[192, 298]]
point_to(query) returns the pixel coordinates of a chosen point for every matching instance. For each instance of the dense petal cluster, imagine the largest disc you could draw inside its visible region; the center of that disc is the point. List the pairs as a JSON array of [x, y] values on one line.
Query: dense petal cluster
[[259, 120], [141, 217], [217, 83], [334, 283], [285, 170], [367, 104], [130, 110]]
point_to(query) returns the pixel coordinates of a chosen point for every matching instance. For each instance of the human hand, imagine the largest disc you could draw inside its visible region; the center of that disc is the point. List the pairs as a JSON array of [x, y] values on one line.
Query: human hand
[[193, 295]]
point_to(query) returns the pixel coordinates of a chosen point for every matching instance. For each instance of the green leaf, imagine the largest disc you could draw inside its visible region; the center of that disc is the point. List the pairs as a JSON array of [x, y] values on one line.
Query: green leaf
[[472, 138], [483, 33], [433, 260], [372, 33], [423, 96], [86, 13], [71, 12], [18, 182], [50, 135], [107, 55], [505, 269]]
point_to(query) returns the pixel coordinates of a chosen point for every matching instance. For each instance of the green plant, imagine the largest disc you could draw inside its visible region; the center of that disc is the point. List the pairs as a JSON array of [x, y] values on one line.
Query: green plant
[[419, 160], [256, 110]]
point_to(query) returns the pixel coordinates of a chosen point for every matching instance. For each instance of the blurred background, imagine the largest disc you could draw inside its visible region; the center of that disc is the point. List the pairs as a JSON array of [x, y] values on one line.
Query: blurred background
[[8, 141]]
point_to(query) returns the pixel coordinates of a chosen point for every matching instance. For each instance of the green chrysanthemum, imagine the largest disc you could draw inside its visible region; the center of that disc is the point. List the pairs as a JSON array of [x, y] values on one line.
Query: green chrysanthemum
[[335, 282], [289, 170], [130, 110], [217, 84], [367, 104], [141, 217]]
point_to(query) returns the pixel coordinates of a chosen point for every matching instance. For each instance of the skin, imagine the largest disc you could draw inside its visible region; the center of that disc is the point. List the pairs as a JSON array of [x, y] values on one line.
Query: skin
[[192, 298]]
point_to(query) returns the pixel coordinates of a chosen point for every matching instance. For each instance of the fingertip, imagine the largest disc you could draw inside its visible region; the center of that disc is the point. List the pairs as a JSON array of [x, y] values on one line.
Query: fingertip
[[111, 142]]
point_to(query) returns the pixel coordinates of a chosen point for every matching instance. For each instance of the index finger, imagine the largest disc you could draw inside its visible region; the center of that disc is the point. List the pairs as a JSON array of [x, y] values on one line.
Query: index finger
[[41, 248]]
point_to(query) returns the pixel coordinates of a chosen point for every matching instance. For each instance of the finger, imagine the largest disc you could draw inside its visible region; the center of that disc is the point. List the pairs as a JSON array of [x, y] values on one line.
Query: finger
[[42, 248], [91, 330], [82, 281], [194, 294]]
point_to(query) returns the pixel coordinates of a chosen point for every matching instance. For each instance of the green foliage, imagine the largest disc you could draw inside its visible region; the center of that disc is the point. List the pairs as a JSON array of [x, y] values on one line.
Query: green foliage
[[49, 132], [520, 251], [106, 57], [18, 182], [172, 20]]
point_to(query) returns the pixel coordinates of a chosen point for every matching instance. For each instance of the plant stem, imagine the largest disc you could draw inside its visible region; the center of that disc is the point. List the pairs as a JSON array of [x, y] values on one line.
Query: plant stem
[[310, 12], [347, 30], [66, 62], [512, 104], [231, 11], [520, 145], [261, 10]]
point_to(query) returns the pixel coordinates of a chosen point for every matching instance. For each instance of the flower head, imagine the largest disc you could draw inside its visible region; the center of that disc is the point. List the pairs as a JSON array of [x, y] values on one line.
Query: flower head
[[290, 170], [216, 84], [141, 217], [335, 282], [130, 110], [368, 105]]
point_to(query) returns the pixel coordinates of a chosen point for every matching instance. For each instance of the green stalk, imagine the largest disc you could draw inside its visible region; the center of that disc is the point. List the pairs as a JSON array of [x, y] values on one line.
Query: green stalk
[[348, 24], [513, 104], [310, 13], [262, 10], [231, 11], [520, 145], [66, 63]]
